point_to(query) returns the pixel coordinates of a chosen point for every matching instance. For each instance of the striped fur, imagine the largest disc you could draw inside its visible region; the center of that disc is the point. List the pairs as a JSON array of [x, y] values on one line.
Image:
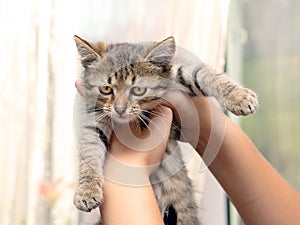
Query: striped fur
[[110, 75]]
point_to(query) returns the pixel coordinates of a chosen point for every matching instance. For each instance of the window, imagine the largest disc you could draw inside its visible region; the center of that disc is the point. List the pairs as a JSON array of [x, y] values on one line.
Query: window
[[264, 54]]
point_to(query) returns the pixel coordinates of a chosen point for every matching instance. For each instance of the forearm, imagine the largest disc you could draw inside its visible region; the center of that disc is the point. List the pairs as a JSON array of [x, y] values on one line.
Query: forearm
[[128, 195], [129, 205], [260, 194]]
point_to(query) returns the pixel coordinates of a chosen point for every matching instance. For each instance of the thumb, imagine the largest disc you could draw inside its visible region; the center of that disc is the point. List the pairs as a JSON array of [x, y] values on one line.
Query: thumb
[[161, 121], [79, 86]]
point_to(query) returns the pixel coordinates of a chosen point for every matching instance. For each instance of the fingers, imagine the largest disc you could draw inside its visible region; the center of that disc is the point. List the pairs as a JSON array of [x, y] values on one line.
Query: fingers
[[180, 103], [164, 113], [161, 121], [78, 85], [148, 146]]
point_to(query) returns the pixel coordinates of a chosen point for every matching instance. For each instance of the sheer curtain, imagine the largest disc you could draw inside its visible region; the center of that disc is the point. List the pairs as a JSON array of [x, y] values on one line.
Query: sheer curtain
[[39, 64]]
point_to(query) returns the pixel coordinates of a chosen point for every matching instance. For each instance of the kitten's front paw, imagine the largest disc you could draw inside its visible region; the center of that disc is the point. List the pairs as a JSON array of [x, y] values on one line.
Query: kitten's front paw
[[241, 102], [88, 196]]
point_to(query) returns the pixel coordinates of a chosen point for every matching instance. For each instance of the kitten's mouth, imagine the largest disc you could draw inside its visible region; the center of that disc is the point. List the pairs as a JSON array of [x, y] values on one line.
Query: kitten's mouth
[[122, 118]]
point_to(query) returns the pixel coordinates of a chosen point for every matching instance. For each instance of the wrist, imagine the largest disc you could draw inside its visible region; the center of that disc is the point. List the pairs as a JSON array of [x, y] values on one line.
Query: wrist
[[121, 172], [212, 131], [204, 110]]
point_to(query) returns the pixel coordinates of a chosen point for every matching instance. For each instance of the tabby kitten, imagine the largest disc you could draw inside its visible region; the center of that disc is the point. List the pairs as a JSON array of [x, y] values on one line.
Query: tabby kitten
[[127, 80]]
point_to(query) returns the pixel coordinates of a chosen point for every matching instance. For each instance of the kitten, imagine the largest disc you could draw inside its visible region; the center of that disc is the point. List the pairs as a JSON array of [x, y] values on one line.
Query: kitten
[[148, 71]]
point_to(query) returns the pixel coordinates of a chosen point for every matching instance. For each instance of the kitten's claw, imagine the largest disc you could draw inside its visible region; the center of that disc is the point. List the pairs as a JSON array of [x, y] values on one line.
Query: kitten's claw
[[241, 102], [88, 196]]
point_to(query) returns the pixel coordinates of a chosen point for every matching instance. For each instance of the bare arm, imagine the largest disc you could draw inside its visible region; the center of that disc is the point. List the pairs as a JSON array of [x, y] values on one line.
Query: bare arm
[[260, 194], [129, 205]]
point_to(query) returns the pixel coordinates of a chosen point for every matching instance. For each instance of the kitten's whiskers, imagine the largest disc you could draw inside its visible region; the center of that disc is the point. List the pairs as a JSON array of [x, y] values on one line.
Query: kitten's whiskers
[[158, 113], [101, 116], [142, 117]]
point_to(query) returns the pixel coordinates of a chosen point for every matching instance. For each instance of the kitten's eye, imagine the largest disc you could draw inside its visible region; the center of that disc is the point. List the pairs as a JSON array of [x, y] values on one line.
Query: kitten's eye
[[105, 90], [138, 91]]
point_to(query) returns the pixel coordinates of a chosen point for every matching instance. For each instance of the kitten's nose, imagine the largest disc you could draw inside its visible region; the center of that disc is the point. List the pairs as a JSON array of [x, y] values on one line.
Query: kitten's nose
[[120, 109]]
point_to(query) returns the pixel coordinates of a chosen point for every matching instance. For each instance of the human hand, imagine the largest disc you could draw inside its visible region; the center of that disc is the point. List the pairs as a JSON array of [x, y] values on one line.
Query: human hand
[[193, 114], [202, 123], [142, 147], [135, 153]]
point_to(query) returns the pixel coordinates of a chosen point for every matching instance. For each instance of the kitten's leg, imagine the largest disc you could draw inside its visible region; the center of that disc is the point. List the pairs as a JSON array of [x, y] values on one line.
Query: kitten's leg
[[234, 97], [92, 146], [176, 189]]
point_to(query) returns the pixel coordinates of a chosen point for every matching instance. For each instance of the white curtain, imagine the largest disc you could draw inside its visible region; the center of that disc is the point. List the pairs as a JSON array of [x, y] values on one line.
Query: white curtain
[[38, 66]]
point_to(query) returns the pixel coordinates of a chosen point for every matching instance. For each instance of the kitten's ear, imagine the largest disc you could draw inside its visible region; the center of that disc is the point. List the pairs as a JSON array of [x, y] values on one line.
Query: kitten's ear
[[89, 52], [163, 52]]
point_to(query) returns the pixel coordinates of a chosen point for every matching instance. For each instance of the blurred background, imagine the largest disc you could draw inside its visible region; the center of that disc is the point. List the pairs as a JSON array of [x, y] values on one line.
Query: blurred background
[[256, 42]]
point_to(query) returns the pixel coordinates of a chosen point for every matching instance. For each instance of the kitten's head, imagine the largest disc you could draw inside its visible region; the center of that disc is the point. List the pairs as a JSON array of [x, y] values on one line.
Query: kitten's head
[[125, 79]]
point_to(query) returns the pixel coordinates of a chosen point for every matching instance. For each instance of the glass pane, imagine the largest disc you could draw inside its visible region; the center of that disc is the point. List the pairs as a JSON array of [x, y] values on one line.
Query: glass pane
[[272, 69]]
